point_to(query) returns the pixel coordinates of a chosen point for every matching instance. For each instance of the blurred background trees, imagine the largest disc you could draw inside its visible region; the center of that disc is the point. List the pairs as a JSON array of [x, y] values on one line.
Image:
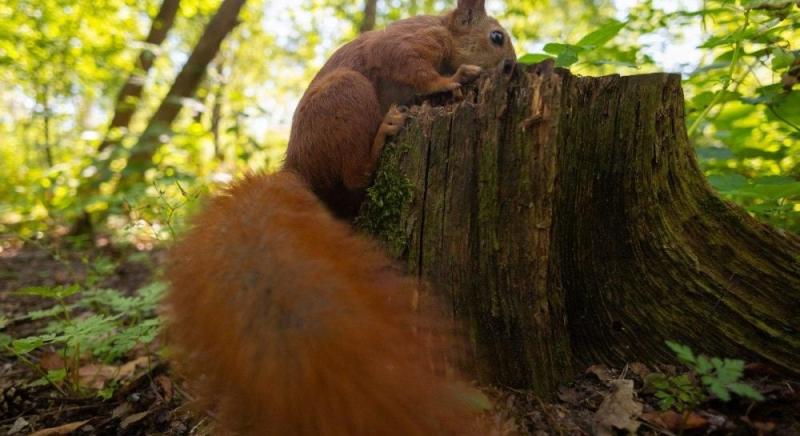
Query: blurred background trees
[[86, 84]]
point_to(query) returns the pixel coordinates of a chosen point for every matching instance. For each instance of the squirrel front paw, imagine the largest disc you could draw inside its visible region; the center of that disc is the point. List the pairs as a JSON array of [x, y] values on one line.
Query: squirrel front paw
[[464, 75], [467, 73]]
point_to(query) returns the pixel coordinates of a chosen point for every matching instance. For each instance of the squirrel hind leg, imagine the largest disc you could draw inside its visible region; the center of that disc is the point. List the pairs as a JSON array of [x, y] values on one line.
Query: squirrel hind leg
[[393, 121], [336, 122]]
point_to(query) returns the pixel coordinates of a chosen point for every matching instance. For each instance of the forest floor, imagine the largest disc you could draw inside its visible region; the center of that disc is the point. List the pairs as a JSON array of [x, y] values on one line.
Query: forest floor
[[45, 390]]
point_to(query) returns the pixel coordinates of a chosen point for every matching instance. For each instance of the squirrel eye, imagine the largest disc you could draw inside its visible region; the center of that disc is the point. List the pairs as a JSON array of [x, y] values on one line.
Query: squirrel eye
[[497, 37]]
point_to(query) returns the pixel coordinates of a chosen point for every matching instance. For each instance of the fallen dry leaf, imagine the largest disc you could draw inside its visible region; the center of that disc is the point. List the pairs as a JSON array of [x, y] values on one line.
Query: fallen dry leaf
[[95, 376], [19, 425], [133, 419], [166, 386], [619, 410], [51, 361], [570, 396], [601, 372], [127, 369], [61, 429], [639, 369], [123, 409], [674, 421], [761, 427]]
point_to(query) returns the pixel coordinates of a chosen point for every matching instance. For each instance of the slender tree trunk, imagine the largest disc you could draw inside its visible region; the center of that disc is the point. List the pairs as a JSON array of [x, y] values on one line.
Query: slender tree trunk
[[566, 221], [368, 22], [216, 110], [131, 92], [124, 108], [184, 87], [48, 148]]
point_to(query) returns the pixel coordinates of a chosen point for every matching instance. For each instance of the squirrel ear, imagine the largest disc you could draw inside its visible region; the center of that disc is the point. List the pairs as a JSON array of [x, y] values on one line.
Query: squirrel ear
[[467, 9]]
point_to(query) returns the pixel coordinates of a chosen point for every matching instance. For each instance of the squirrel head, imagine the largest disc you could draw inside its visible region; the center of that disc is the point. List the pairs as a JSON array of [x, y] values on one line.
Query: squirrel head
[[478, 38]]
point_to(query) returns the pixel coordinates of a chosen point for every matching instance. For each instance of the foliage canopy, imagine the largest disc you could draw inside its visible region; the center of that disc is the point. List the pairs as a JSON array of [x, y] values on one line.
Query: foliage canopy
[[63, 63]]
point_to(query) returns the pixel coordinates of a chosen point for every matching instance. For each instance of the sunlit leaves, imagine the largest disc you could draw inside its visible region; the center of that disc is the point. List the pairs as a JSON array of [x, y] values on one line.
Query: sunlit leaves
[[747, 140], [601, 36], [74, 55], [533, 58], [568, 54]]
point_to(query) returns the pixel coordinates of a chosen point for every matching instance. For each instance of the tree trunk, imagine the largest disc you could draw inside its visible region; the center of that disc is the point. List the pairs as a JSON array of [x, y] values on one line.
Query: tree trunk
[[128, 97], [566, 222], [46, 115], [368, 22], [124, 108], [216, 110], [184, 86]]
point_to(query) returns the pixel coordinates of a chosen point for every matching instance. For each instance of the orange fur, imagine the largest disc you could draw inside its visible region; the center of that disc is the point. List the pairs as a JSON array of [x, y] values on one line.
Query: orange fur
[[292, 324]]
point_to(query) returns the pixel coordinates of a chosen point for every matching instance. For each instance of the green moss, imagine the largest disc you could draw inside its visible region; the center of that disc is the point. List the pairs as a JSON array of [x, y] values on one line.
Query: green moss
[[381, 214]]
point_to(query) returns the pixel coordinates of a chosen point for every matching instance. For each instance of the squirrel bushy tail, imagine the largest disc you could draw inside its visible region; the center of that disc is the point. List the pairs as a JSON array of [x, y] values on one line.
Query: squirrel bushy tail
[[292, 324]]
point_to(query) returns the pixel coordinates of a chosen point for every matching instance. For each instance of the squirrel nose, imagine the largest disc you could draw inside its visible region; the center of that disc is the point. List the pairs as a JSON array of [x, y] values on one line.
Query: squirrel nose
[[507, 66]]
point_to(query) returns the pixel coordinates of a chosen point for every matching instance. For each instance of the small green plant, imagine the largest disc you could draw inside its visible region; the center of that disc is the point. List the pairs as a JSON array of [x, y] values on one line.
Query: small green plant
[[713, 375], [720, 376], [103, 324], [98, 269], [677, 392]]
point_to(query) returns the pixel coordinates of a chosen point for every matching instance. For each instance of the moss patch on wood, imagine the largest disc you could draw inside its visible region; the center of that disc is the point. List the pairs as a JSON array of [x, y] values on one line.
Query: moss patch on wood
[[387, 198]]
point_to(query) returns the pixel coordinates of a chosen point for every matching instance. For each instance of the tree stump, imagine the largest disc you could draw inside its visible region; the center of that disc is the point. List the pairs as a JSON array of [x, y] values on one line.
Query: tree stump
[[566, 222]]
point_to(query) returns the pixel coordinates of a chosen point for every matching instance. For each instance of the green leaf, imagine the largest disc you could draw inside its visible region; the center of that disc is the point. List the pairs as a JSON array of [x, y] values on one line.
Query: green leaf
[[718, 389], [558, 48], [746, 391], [26, 345], [718, 153], [533, 58], [750, 4], [727, 182], [771, 192], [703, 365], [46, 313], [781, 59], [566, 59], [599, 37], [57, 375], [750, 153], [107, 392], [57, 292], [730, 38], [766, 95], [682, 381], [683, 352], [657, 381], [729, 370], [787, 107], [774, 180], [666, 402]]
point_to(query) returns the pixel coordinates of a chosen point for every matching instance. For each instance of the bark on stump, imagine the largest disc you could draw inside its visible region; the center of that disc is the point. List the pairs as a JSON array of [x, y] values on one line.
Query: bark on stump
[[566, 222]]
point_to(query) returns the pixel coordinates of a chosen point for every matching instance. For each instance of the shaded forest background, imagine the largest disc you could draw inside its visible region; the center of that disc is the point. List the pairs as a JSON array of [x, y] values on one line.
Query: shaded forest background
[[112, 118]]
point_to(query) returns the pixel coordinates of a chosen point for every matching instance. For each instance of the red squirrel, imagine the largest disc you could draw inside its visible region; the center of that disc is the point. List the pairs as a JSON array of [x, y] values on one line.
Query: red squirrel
[[286, 321], [345, 115]]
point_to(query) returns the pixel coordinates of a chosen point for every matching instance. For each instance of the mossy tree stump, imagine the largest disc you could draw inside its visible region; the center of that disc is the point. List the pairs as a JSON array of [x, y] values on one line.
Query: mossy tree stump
[[566, 222]]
